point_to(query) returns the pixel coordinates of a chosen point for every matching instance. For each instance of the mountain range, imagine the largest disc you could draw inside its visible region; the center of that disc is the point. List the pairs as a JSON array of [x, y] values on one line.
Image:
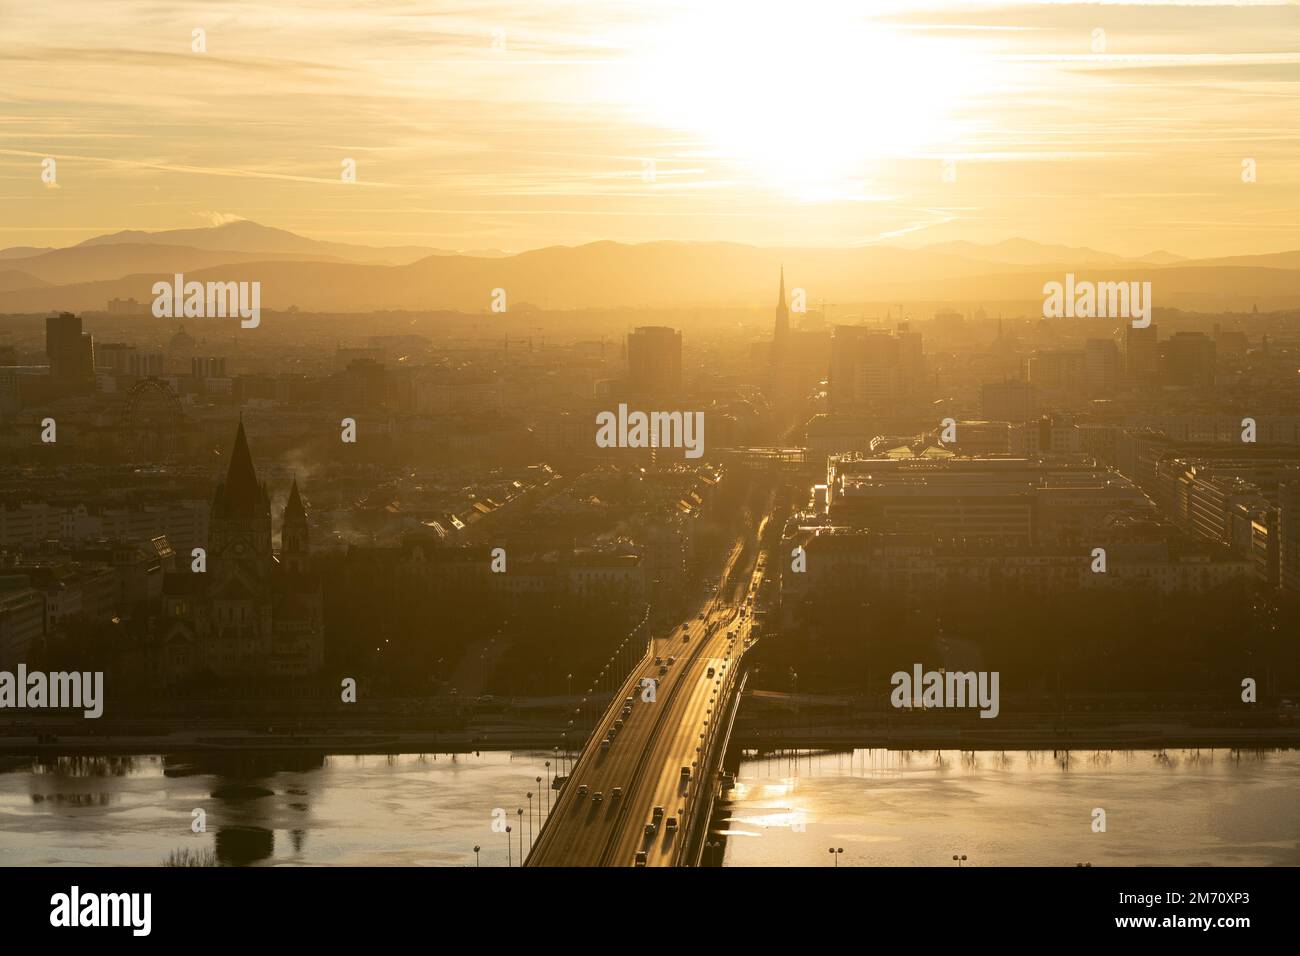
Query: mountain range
[[339, 277]]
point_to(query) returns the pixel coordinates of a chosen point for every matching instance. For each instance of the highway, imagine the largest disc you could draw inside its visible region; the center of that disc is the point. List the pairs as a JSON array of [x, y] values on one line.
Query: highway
[[656, 740]]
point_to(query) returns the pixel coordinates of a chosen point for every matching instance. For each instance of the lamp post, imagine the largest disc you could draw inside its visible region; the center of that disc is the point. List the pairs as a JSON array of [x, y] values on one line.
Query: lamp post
[[520, 811], [508, 854], [959, 860], [530, 815], [476, 849], [835, 852], [712, 846]]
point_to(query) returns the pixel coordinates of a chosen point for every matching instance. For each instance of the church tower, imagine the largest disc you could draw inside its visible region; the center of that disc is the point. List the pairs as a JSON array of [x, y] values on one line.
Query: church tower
[[779, 368], [293, 532], [239, 566], [782, 335]]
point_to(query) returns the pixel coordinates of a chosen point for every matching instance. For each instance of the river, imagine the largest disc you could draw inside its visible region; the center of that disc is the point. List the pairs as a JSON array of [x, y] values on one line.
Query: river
[[884, 808]]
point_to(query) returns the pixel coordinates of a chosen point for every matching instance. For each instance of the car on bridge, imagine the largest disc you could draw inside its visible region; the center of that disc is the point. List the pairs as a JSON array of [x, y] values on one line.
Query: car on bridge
[[597, 797], [616, 793], [604, 744], [671, 825], [650, 829], [582, 791], [686, 773], [710, 673], [640, 858]]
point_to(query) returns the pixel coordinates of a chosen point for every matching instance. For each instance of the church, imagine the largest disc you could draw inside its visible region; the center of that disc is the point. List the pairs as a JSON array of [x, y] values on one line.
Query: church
[[250, 613]]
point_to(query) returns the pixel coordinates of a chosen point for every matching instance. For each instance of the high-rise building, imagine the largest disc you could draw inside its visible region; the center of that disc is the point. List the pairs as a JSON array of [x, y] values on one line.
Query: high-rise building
[[1058, 370], [71, 351], [1142, 356], [654, 361], [872, 369], [1189, 360], [1101, 367]]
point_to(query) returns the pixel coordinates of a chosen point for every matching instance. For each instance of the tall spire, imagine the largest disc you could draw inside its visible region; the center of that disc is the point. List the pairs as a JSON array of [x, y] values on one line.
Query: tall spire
[[240, 495], [782, 318], [293, 509]]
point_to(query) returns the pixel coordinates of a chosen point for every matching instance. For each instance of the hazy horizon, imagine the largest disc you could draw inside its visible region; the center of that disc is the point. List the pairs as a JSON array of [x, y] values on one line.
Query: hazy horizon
[[564, 122]]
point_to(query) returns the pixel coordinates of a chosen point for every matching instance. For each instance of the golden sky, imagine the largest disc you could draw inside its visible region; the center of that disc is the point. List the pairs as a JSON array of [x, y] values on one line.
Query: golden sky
[[512, 125]]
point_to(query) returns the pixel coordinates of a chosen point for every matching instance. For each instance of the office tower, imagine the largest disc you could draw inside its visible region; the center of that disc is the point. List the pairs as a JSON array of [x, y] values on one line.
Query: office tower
[[1101, 367], [71, 351], [1142, 356], [1057, 370], [1189, 360], [869, 367], [654, 361]]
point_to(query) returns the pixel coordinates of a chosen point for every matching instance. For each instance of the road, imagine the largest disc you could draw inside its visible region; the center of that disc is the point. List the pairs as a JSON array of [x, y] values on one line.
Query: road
[[646, 756]]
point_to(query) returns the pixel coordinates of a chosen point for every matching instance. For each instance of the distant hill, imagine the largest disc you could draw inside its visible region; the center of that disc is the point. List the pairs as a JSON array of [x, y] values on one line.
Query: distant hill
[[11, 279], [1022, 252], [248, 236], [112, 261], [609, 275]]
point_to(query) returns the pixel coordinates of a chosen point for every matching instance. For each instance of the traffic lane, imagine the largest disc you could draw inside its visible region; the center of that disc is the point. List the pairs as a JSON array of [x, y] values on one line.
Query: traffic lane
[[698, 714], [677, 700], [583, 836], [671, 752], [570, 831], [580, 831]]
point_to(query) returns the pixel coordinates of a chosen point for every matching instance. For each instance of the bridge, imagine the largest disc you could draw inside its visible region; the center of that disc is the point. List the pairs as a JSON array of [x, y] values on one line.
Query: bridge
[[665, 747]]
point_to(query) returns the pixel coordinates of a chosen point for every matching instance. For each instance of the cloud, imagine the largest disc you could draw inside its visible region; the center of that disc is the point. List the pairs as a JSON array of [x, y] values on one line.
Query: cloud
[[213, 218]]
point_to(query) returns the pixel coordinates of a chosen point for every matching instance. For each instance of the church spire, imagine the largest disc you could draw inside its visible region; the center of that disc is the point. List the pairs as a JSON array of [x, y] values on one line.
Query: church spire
[[293, 509], [240, 495], [782, 317]]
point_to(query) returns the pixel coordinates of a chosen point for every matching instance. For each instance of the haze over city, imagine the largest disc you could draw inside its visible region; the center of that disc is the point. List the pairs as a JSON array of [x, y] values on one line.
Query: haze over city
[[519, 125], [585, 434]]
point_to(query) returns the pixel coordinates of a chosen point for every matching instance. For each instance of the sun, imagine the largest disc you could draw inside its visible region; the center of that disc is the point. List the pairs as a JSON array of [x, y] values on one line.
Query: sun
[[802, 97]]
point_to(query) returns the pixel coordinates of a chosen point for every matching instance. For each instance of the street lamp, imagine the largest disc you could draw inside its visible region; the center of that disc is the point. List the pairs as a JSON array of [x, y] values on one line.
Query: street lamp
[[835, 852], [476, 849], [530, 814], [959, 860], [521, 834], [508, 856]]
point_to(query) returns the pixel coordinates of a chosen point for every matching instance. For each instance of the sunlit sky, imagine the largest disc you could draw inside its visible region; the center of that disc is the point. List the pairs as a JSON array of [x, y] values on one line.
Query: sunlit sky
[[523, 123]]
